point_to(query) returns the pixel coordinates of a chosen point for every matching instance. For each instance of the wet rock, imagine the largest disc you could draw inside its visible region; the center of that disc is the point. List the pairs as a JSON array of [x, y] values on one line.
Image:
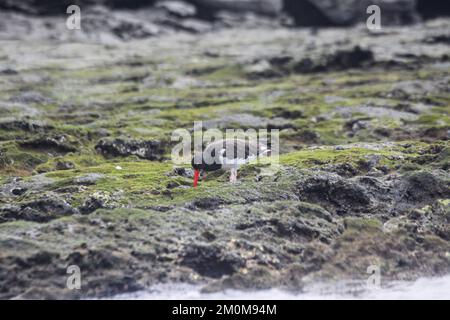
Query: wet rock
[[261, 70], [8, 71], [58, 144], [240, 120], [308, 136], [435, 133], [413, 90], [207, 203], [178, 8], [184, 172], [210, 261], [31, 97], [18, 186], [340, 13], [352, 58], [343, 169], [25, 125], [355, 125], [377, 112], [27, 7], [99, 200], [335, 59], [424, 186], [91, 205], [89, 179], [56, 7], [259, 278], [37, 294], [383, 132], [122, 147], [341, 59], [299, 222], [287, 114], [130, 29], [266, 7], [435, 39], [64, 165], [18, 191], [101, 265], [343, 195], [188, 25], [92, 259], [4, 159], [41, 210]]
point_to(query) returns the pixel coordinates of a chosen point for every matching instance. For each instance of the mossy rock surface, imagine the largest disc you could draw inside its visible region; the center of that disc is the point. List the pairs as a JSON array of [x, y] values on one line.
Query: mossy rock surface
[[86, 175]]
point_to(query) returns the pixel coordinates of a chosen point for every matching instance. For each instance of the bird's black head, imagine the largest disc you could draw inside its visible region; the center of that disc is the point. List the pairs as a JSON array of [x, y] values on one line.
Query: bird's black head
[[200, 166]]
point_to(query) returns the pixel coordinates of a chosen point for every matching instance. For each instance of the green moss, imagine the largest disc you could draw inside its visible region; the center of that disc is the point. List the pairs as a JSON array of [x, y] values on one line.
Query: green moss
[[363, 224], [225, 73], [15, 225], [434, 120], [124, 212], [314, 157], [15, 161]]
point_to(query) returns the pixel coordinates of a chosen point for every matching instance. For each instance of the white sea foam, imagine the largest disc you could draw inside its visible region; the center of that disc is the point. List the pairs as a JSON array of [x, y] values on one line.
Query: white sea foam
[[424, 288]]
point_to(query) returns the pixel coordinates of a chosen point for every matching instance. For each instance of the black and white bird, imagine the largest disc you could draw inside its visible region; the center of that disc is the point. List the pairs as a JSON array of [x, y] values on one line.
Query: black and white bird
[[226, 154]]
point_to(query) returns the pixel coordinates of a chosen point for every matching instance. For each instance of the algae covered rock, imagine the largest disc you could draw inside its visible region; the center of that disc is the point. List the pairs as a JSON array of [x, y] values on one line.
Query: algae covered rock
[[122, 147], [58, 144], [40, 210]]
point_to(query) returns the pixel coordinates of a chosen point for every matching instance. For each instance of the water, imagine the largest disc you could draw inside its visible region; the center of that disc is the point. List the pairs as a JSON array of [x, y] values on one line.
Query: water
[[425, 288]]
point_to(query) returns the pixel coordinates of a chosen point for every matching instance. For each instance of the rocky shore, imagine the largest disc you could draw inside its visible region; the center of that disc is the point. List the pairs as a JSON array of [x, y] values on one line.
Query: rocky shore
[[86, 177]]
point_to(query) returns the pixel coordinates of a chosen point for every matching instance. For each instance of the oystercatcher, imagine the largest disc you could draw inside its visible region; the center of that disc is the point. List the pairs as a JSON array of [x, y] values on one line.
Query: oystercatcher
[[227, 154]]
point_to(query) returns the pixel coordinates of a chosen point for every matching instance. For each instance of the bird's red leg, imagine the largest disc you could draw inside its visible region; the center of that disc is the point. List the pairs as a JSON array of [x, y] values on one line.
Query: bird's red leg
[[196, 175]]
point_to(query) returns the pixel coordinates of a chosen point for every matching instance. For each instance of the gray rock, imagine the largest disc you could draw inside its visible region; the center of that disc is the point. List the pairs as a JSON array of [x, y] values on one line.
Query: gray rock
[[211, 260], [57, 144], [421, 186], [379, 112], [413, 89], [339, 59], [8, 71], [31, 97], [184, 172], [122, 147], [41, 210], [51, 6], [347, 12], [22, 124], [18, 186], [245, 120], [343, 195], [268, 7], [89, 179], [64, 165], [99, 200], [178, 8]]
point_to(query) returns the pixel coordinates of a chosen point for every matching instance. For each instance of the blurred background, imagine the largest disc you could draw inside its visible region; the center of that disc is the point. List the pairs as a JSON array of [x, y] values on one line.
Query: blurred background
[[138, 19]]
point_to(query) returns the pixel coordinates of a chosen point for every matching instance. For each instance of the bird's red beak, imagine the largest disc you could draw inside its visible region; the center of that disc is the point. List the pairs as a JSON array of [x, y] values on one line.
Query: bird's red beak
[[196, 176]]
